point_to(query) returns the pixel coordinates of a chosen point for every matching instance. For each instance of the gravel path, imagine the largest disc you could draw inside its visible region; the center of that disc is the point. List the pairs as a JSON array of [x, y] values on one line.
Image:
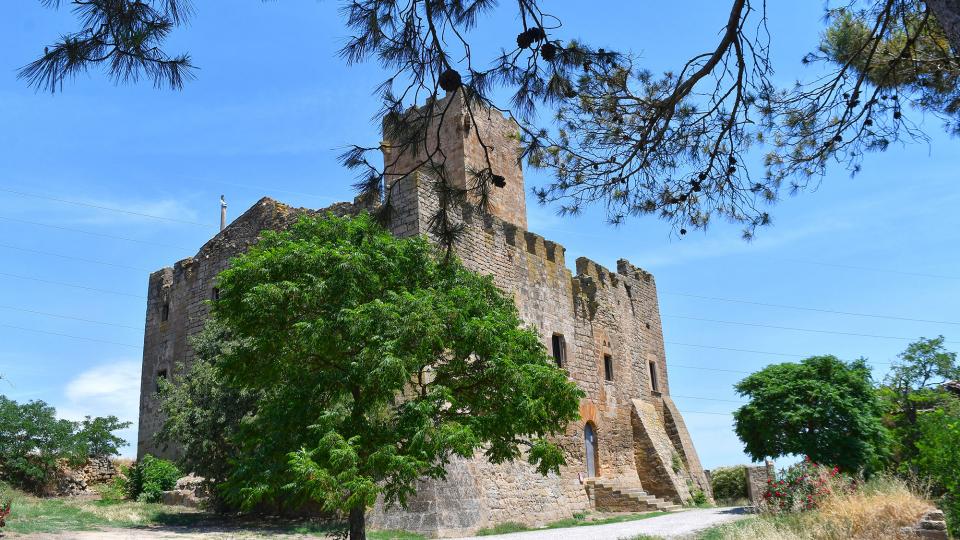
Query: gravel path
[[676, 525]]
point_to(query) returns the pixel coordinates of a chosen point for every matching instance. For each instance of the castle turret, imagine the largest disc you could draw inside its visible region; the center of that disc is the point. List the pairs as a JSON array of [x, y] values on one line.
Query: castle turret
[[472, 136]]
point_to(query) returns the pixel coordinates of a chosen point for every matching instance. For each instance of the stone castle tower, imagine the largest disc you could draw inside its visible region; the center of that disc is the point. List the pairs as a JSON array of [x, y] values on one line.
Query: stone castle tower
[[631, 450]]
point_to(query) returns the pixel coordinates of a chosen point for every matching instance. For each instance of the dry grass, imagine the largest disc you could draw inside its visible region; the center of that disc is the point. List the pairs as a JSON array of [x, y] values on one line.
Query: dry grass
[[878, 510]]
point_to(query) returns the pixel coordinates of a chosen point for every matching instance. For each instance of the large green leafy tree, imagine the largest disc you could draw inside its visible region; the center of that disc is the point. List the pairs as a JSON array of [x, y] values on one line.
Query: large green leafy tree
[[33, 440], [202, 414], [633, 141], [939, 454], [915, 383], [375, 362], [821, 407]]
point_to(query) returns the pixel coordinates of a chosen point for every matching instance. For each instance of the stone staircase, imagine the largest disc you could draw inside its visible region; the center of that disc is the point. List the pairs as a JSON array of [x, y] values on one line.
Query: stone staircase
[[616, 496]]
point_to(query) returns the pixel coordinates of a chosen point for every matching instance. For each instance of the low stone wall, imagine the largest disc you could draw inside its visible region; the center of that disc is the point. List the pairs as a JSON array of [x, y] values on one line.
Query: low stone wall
[[932, 525], [757, 480], [99, 470], [71, 481]]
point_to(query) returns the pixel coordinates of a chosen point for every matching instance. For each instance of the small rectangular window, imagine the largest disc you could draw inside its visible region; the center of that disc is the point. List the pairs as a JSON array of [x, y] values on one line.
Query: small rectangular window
[[165, 311], [654, 384], [215, 294], [162, 374], [608, 367], [559, 350]]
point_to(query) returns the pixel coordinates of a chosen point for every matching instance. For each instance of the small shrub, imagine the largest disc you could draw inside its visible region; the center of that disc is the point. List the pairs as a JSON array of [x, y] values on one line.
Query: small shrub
[[804, 486], [729, 483], [676, 463], [698, 497], [117, 489], [150, 477], [951, 508]]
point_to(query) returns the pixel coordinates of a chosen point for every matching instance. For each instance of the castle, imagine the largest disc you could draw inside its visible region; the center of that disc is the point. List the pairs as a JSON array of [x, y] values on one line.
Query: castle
[[629, 452]]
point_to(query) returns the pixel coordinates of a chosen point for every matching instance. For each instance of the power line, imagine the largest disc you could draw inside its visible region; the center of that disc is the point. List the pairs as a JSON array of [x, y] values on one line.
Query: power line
[[108, 263], [69, 336], [709, 399], [758, 325], [854, 267], [108, 208], [71, 285], [71, 257], [91, 233], [818, 310], [733, 349], [59, 316], [671, 364], [717, 347], [705, 412]]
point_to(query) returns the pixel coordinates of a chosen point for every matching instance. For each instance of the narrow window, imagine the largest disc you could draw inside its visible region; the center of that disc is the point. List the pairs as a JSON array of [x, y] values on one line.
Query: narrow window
[[162, 374], [608, 367], [215, 294], [559, 350], [165, 311], [653, 377]]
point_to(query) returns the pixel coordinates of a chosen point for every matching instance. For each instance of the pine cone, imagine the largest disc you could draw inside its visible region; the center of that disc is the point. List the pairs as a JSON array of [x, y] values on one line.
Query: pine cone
[[450, 80]]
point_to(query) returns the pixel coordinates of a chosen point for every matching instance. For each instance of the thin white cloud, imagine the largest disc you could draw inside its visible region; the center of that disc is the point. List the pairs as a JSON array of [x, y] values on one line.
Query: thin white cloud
[[112, 388], [65, 208]]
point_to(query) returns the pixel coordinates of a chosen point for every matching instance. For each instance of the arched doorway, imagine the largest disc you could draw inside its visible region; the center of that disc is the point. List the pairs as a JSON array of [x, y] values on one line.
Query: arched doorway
[[590, 441]]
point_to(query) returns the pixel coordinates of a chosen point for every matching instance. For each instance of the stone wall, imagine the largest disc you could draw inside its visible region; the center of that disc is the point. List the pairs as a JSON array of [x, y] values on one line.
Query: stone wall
[[758, 477], [608, 320], [471, 138], [177, 305]]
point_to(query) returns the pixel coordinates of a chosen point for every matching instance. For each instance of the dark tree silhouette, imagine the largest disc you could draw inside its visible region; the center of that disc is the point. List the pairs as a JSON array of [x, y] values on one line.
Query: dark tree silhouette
[[622, 137]]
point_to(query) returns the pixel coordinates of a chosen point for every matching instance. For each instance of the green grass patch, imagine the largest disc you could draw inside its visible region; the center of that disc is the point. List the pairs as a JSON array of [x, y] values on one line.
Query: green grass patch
[[722, 532], [37, 515], [579, 519], [504, 528]]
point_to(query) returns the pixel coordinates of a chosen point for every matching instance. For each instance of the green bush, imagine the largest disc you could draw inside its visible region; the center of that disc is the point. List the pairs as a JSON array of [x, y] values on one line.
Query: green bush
[[803, 486], [729, 483], [951, 508], [33, 441], [150, 477], [698, 498]]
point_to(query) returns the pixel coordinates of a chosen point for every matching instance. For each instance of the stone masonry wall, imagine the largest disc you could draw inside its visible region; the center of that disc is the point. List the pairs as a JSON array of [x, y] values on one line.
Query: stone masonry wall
[[598, 312], [602, 316], [471, 137], [177, 305]]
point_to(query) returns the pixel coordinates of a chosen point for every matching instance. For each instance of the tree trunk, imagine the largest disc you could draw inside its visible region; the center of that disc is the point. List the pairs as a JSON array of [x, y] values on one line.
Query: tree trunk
[[948, 15], [358, 523]]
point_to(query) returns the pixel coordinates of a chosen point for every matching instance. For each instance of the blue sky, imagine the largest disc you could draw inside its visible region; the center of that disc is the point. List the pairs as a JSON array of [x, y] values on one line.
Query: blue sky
[[270, 109]]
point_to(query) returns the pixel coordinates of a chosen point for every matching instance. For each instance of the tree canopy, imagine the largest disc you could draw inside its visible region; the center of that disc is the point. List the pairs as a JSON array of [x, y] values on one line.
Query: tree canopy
[[33, 440], [821, 407], [635, 142], [914, 384], [371, 362]]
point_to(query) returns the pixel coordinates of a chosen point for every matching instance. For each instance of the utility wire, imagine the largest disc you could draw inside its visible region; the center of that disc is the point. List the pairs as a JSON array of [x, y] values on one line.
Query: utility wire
[[758, 325], [752, 351], [854, 267], [705, 412], [709, 399], [91, 233], [107, 208], [28, 278], [818, 310], [69, 336], [108, 263], [59, 316], [73, 258]]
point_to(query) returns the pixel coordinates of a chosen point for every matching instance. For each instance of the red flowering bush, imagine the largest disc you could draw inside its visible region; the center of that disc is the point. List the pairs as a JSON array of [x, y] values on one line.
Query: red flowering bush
[[804, 486]]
